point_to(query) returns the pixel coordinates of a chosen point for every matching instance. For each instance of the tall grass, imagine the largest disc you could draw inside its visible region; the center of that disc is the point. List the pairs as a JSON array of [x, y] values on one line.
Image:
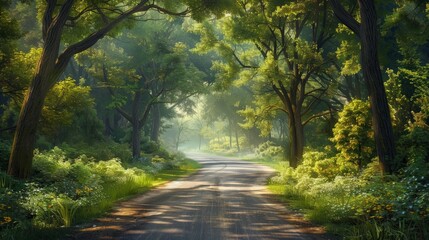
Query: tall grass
[[72, 191], [115, 191], [64, 210], [131, 186]]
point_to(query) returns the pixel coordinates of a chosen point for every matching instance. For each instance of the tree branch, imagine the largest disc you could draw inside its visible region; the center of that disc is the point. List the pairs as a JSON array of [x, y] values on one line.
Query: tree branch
[[321, 114], [345, 17], [47, 17], [124, 114]]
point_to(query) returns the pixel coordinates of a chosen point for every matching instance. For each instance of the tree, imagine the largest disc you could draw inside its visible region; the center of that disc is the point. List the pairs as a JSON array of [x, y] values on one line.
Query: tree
[[276, 47], [9, 34], [83, 23], [225, 106], [368, 33], [147, 72]]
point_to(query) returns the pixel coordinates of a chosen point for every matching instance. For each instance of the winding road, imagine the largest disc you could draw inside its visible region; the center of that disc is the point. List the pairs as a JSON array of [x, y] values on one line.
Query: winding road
[[226, 199]]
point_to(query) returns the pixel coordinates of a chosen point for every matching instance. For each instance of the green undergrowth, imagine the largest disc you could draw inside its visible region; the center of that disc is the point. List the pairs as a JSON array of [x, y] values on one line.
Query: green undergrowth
[[64, 191], [356, 206]]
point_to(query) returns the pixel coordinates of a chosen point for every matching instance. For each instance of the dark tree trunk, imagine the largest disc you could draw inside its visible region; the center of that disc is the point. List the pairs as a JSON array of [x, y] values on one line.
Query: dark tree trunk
[[382, 124], [292, 106], [136, 126], [368, 33], [47, 73], [21, 156], [230, 133], [135, 139], [237, 139], [156, 123], [296, 140]]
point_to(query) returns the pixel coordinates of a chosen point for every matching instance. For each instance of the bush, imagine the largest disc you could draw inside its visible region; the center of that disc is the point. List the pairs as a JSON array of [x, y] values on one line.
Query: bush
[[353, 135], [99, 150], [269, 149], [222, 145], [396, 205], [62, 187]]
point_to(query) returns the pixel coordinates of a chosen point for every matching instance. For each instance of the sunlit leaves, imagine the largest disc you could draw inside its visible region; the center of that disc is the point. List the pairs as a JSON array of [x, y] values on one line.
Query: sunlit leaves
[[66, 100], [353, 136], [349, 55], [208, 38], [292, 11]]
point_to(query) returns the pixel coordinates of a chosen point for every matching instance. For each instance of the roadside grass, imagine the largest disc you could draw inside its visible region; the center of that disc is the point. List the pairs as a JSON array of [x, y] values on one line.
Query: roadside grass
[[273, 163], [129, 188], [186, 168], [359, 207], [313, 209], [112, 192]]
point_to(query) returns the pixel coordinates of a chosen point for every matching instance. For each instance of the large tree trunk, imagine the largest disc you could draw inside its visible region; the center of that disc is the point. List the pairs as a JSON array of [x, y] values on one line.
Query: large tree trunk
[[136, 125], [296, 140], [135, 139], [382, 124], [47, 73], [367, 32], [21, 156], [156, 123]]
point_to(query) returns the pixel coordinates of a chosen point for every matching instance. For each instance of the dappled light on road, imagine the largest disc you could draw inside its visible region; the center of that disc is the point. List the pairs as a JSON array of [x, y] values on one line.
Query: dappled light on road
[[226, 199]]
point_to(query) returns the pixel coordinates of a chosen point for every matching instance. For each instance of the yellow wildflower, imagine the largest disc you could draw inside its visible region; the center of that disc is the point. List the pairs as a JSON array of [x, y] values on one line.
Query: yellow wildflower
[[7, 219]]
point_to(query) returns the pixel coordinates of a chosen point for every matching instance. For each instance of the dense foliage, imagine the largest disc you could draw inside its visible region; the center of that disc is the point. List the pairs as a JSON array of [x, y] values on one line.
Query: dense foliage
[[67, 190], [94, 95]]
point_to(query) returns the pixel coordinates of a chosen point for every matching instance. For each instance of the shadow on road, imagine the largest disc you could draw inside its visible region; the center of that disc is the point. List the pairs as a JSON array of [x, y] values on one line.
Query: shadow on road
[[226, 199]]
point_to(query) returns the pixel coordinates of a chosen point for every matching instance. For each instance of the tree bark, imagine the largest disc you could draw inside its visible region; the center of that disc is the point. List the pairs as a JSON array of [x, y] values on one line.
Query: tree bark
[[292, 105], [156, 123], [135, 139], [21, 156], [382, 123], [296, 140], [47, 73], [135, 115], [367, 32]]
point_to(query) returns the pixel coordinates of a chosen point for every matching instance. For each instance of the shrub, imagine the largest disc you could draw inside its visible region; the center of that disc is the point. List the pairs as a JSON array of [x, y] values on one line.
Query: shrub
[[353, 135], [222, 145], [99, 150], [11, 193], [50, 166], [269, 149]]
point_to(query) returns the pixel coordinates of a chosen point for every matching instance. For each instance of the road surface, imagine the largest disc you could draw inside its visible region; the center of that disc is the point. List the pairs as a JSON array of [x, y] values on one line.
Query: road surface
[[226, 199]]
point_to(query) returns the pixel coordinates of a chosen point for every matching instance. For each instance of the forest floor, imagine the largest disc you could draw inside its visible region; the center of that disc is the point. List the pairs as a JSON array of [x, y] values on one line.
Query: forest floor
[[225, 199]]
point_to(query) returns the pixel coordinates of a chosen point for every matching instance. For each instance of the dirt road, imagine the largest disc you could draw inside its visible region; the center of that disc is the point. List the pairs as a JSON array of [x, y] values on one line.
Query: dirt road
[[226, 199]]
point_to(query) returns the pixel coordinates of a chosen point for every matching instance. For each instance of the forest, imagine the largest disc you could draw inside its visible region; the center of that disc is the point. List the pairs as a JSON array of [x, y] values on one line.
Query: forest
[[103, 99]]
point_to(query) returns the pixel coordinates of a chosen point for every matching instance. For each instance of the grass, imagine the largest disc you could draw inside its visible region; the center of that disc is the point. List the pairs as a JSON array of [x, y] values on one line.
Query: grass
[[275, 164], [186, 168], [111, 194], [312, 209], [130, 187]]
